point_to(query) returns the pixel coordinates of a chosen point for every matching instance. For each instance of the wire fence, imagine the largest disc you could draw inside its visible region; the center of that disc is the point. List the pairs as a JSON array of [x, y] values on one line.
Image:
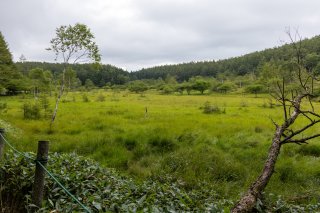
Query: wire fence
[[47, 171]]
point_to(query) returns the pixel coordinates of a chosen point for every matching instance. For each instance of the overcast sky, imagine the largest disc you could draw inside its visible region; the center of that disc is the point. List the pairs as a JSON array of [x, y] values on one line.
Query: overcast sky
[[132, 34]]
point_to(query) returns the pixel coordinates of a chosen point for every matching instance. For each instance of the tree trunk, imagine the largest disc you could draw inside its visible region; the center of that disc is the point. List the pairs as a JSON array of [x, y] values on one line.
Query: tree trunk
[[249, 200], [58, 99]]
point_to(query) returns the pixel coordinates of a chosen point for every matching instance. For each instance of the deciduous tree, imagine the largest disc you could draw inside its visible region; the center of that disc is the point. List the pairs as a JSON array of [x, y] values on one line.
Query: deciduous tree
[[72, 44]]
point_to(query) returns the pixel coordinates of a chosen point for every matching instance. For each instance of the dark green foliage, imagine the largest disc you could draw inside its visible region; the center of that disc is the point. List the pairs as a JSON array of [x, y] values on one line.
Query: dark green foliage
[[101, 190], [138, 87], [225, 87], [254, 88], [104, 190], [200, 85], [9, 76], [89, 84], [5, 55], [242, 71], [237, 66], [16, 180], [168, 89], [106, 73]]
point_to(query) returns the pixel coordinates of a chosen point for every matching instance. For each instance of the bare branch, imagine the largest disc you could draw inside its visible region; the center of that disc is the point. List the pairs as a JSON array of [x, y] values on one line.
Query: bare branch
[[80, 56], [283, 101], [288, 138], [302, 140], [276, 125], [305, 115], [312, 113]]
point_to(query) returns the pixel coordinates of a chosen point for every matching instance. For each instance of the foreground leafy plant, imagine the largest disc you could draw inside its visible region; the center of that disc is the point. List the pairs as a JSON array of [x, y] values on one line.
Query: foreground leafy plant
[[100, 189], [104, 190]]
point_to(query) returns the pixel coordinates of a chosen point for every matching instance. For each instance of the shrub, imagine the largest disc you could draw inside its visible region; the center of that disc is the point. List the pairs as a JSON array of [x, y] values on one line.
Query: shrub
[[167, 89], [3, 91], [31, 111], [210, 109], [101, 98], [3, 107], [85, 98], [45, 102]]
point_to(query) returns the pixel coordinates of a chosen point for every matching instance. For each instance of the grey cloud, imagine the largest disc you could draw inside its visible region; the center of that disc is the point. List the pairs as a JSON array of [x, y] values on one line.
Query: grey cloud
[[142, 33]]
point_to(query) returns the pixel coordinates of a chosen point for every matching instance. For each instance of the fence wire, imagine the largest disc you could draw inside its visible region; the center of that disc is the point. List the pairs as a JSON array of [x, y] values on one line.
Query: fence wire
[[47, 171]]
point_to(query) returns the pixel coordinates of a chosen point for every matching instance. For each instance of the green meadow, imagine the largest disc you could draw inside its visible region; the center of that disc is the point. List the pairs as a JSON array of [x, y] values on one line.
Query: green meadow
[[170, 138]]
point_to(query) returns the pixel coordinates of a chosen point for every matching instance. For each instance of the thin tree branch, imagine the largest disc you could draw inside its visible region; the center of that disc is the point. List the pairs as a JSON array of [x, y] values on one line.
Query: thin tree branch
[[302, 140], [288, 138]]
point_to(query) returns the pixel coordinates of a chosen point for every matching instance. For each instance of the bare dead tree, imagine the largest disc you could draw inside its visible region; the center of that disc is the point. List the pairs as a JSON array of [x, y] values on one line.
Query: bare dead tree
[[296, 102]]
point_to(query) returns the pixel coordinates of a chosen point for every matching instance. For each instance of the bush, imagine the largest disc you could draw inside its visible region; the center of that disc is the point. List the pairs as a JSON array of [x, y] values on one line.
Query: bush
[[45, 104], [3, 91], [31, 111], [210, 109], [167, 89], [101, 98], [3, 107], [85, 98]]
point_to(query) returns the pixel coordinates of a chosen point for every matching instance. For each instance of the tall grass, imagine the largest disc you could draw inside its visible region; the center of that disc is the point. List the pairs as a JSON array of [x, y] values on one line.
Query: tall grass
[[176, 140]]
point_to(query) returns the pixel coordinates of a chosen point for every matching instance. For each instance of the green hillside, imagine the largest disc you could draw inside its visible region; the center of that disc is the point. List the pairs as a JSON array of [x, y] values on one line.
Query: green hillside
[[242, 65]]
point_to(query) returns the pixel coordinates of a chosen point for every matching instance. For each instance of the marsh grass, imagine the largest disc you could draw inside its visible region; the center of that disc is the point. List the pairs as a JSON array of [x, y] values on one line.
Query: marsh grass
[[224, 151]]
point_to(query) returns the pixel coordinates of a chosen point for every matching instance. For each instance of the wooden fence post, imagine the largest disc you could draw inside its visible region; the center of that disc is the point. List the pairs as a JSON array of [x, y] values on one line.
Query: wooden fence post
[[38, 186], [2, 131]]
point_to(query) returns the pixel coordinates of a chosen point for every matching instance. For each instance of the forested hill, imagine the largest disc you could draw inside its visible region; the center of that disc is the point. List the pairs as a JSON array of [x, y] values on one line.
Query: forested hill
[[241, 65], [105, 74]]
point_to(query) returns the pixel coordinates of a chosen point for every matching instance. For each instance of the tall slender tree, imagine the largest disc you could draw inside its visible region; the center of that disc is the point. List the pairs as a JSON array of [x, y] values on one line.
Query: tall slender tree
[[72, 44]]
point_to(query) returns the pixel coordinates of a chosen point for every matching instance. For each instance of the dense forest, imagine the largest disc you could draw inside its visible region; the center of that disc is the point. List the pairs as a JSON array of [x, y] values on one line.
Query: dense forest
[[99, 76], [249, 64], [238, 66], [221, 76]]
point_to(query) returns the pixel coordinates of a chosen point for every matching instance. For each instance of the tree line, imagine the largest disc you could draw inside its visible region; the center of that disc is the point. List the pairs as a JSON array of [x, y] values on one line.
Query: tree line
[[237, 66], [240, 73]]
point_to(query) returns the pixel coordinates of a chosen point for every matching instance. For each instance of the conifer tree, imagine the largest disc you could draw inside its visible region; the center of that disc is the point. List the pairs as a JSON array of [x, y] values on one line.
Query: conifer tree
[[8, 72]]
